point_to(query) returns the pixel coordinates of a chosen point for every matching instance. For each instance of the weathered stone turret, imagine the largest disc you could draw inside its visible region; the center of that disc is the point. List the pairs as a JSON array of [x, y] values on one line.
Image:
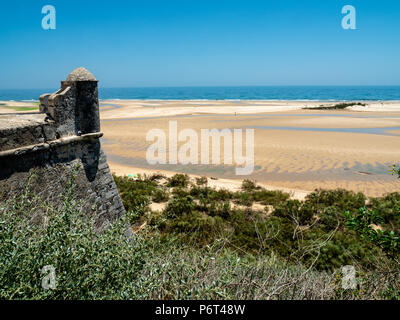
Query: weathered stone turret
[[61, 140], [75, 107]]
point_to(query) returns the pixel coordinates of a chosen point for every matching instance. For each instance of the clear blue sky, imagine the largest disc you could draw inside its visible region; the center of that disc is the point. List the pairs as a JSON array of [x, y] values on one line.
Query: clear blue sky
[[201, 43]]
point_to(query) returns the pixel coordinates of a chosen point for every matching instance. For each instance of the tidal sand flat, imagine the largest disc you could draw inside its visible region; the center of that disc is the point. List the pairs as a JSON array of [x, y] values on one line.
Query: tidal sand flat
[[294, 148]]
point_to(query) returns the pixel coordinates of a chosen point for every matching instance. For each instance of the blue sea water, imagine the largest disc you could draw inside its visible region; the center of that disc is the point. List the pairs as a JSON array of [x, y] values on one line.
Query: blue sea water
[[230, 93]]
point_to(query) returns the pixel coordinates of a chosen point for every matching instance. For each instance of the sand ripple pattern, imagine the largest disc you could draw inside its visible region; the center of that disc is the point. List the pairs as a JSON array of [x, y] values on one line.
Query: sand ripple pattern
[[293, 159]]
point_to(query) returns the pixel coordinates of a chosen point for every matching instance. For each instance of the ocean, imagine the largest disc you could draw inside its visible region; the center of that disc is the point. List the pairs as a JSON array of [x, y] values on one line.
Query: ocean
[[229, 93]]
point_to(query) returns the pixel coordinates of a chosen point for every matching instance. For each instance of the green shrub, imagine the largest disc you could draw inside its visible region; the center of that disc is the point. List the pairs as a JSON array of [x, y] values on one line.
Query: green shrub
[[288, 210], [389, 209], [312, 232], [156, 177], [196, 229], [134, 200], [306, 214], [362, 221], [201, 181], [395, 170], [127, 184], [220, 195], [179, 192], [135, 194], [340, 198], [179, 206], [88, 264], [330, 218], [158, 221], [221, 209], [160, 195], [248, 185], [267, 197], [251, 193], [200, 192], [220, 253], [244, 199], [207, 196], [178, 180]]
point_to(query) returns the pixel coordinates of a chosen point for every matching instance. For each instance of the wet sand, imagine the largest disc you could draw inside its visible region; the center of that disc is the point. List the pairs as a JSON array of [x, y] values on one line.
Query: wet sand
[[294, 149]]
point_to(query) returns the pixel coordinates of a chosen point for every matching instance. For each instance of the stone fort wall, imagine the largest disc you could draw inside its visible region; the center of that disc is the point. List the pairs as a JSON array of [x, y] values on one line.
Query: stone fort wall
[[48, 147]]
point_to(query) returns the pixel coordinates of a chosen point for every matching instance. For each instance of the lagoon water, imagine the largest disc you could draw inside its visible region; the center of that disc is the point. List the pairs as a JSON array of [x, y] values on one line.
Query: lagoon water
[[379, 131], [385, 93]]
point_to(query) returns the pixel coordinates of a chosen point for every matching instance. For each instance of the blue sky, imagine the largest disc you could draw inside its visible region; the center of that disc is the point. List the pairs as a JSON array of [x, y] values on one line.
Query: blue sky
[[200, 43]]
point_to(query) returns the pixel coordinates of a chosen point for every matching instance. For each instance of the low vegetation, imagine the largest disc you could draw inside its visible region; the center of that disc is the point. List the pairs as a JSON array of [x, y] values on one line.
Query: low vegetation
[[338, 106], [19, 108], [326, 231], [203, 243], [88, 265]]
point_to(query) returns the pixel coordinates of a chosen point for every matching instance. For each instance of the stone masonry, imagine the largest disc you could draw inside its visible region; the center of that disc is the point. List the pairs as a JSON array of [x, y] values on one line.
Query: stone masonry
[[48, 146]]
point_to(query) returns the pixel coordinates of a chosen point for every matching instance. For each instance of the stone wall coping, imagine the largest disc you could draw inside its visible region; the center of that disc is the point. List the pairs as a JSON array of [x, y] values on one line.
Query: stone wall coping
[[50, 144]]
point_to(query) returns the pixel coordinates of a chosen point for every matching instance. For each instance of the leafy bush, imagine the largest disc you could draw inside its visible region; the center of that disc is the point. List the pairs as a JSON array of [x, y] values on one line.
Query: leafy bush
[[197, 230], [88, 264], [160, 195], [362, 221], [134, 200], [244, 199], [221, 209], [201, 192], [179, 192], [136, 194], [156, 177], [395, 170], [179, 206], [267, 197], [178, 180], [201, 181], [251, 193], [248, 185], [220, 195], [219, 253], [389, 209], [312, 232], [218, 273], [340, 198], [295, 211], [209, 194]]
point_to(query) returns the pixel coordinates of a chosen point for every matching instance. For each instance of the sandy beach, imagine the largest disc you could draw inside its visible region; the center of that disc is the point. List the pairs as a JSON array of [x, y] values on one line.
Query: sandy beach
[[118, 109], [299, 150], [296, 150]]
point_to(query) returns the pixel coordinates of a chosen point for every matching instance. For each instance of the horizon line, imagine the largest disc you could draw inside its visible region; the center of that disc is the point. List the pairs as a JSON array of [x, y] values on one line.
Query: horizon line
[[223, 86]]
